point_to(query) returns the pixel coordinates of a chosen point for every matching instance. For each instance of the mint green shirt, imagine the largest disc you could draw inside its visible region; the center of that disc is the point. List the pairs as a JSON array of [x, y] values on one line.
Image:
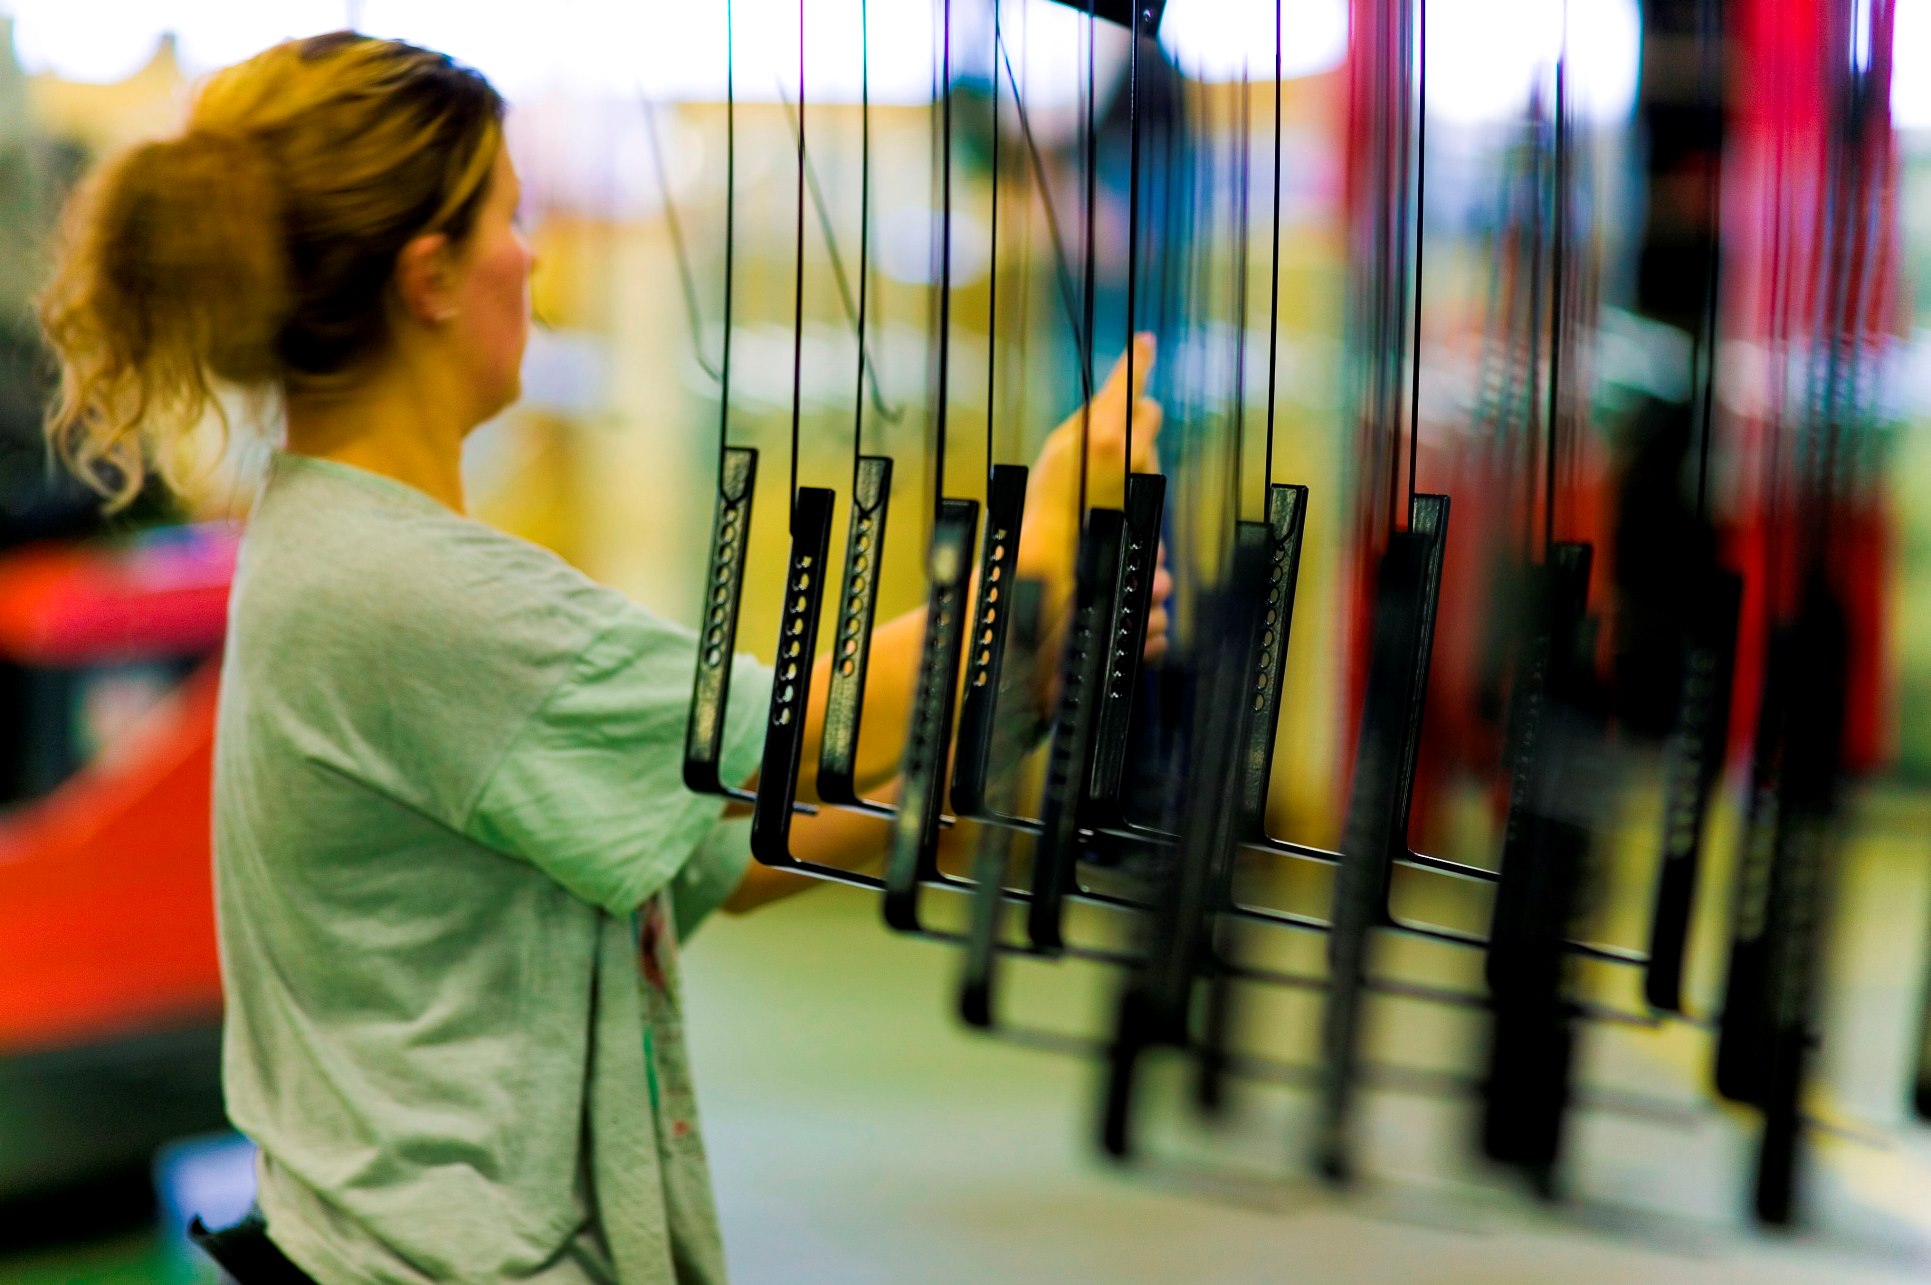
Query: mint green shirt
[[453, 858]]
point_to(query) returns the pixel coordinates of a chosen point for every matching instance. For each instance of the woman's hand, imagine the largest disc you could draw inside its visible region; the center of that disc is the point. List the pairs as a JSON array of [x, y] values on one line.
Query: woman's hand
[[1156, 648], [1050, 538], [1049, 541]]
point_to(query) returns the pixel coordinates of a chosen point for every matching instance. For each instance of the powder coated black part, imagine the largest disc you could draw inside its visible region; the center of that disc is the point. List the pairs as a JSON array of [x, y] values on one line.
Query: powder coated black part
[[1010, 743], [1552, 738], [986, 649], [1740, 1036], [915, 830], [1695, 756], [1543, 692], [1184, 929], [1800, 895], [1281, 571], [723, 590], [1120, 12], [1132, 604], [1376, 827], [851, 652], [784, 733], [1070, 760]]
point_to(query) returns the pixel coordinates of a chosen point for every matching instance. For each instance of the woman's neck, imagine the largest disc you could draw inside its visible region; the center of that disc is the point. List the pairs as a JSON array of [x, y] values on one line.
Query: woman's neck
[[388, 427]]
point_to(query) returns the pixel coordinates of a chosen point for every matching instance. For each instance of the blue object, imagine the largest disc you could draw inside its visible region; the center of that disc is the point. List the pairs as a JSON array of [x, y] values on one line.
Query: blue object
[[212, 1175]]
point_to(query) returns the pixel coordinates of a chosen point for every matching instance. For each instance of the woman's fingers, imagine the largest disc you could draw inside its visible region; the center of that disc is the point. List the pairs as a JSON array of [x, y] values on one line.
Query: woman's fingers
[[1157, 619], [1156, 648], [1146, 428], [1108, 440], [1112, 394]]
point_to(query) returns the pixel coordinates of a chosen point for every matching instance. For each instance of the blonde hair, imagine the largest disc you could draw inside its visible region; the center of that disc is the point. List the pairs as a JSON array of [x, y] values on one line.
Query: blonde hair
[[256, 247]]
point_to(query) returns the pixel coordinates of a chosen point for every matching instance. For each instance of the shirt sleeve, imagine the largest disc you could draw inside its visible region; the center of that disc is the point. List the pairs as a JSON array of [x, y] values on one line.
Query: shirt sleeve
[[711, 875], [591, 790]]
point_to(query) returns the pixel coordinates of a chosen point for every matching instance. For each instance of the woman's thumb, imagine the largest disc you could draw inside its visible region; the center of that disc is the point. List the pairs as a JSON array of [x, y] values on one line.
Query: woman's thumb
[[1140, 358]]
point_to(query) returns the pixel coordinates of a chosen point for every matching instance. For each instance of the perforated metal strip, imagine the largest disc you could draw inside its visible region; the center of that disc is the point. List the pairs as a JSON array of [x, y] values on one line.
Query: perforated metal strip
[[723, 590], [851, 646], [915, 831]]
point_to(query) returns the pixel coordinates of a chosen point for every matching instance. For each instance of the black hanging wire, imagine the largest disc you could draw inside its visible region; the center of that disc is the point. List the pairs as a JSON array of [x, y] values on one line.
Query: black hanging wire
[[1241, 179], [1710, 22], [1089, 146], [1132, 228], [1421, 207], [1206, 373], [730, 223], [1022, 308], [1387, 332], [686, 281], [1062, 274], [854, 314], [992, 256], [864, 225], [1274, 275], [798, 285], [943, 396], [1532, 365], [1558, 256]]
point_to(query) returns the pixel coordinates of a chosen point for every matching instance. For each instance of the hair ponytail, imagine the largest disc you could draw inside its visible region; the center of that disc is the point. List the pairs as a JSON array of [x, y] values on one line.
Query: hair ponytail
[[174, 270], [255, 249]]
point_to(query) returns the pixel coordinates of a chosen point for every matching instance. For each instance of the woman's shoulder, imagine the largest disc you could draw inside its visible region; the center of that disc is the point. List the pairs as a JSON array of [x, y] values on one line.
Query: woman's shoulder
[[367, 561]]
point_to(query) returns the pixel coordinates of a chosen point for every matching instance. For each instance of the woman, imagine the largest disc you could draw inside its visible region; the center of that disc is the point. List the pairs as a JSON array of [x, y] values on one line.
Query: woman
[[453, 852]]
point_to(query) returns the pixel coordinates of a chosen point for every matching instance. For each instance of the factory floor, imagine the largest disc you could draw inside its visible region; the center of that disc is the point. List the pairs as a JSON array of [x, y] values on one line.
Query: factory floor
[[860, 1135]]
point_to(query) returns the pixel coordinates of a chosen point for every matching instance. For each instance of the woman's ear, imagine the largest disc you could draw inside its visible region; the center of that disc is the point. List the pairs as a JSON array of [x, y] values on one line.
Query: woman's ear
[[425, 279]]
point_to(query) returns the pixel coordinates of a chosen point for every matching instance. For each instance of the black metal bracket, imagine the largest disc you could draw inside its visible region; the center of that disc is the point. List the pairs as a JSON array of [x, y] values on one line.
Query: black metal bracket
[[1696, 754], [989, 872], [1070, 760], [852, 644], [1800, 895], [1376, 829], [1527, 1090], [915, 829], [1281, 566], [1132, 603], [1158, 998], [784, 733], [723, 591], [991, 620]]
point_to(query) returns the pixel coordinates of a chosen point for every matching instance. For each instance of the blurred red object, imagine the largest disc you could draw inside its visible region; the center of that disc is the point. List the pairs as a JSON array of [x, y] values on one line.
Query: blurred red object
[[106, 901], [70, 606], [106, 905]]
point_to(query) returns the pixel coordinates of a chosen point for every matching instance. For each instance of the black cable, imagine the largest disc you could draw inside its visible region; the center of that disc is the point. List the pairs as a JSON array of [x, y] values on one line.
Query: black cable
[[868, 368], [1242, 176], [672, 224], [992, 256], [1090, 142], [1421, 208], [1538, 217], [864, 224], [945, 262], [1132, 230], [1274, 276], [1712, 35], [1062, 271], [1558, 253], [798, 291], [730, 224]]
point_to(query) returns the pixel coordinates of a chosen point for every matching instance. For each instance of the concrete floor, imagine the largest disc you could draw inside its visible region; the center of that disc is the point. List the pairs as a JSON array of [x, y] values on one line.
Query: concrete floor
[[872, 1139], [859, 1134]]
